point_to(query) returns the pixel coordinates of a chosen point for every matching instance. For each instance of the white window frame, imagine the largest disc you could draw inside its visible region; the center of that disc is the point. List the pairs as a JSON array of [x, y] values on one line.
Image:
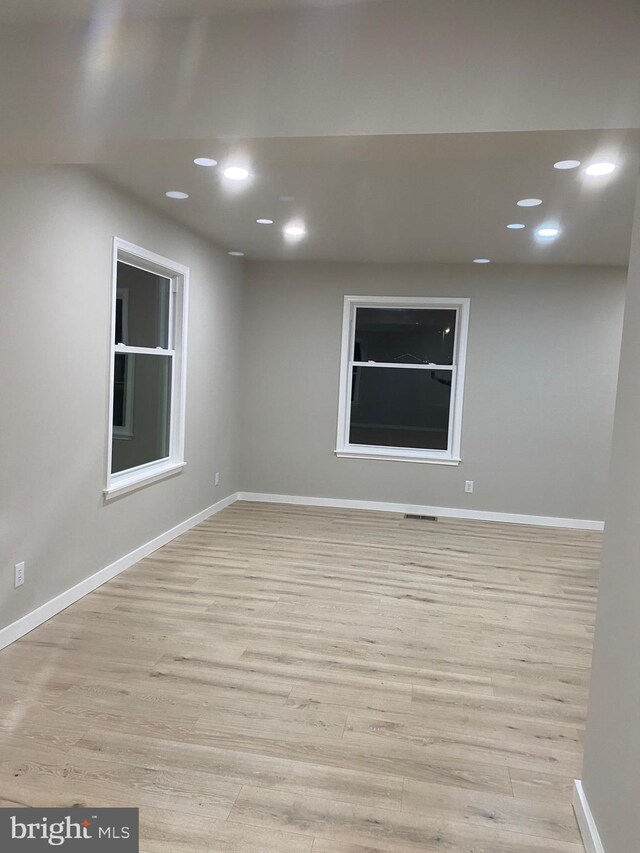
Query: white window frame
[[451, 456], [133, 478]]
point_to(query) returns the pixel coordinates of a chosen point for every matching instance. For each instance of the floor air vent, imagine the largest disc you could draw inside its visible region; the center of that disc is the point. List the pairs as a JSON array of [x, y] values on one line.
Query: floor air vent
[[421, 517]]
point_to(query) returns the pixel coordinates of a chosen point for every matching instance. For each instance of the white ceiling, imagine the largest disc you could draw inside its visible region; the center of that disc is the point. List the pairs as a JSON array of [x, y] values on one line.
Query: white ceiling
[[51, 10], [436, 198], [357, 68]]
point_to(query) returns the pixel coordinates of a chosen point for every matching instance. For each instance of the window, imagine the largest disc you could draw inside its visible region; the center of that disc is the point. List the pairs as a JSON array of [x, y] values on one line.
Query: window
[[402, 378], [148, 368]]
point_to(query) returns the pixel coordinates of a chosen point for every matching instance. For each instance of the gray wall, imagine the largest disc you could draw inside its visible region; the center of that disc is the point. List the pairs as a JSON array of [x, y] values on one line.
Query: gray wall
[[611, 775], [540, 389], [56, 226]]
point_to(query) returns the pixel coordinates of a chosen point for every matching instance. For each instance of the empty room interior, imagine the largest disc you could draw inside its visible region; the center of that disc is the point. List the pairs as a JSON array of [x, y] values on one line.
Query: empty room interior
[[319, 457]]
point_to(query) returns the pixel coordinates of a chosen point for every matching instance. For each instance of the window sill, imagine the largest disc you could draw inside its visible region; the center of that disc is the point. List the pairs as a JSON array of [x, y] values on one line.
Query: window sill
[[398, 457], [129, 481]]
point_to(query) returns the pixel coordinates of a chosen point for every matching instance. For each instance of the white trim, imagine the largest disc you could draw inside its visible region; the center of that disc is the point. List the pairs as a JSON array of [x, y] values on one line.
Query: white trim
[[152, 261], [437, 301], [586, 823], [461, 305], [420, 509], [180, 360], [143, 475], [41, 614], [112, 366], [460, 348], [344, 394], [46, 611], [383, 454]]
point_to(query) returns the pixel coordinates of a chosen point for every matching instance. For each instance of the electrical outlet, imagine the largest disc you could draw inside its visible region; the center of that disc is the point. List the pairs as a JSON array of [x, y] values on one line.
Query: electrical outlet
[[217, 478], [468, 486], [18, 575]]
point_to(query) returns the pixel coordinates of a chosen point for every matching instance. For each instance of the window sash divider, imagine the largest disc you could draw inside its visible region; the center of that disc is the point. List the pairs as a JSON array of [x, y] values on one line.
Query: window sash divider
[[404, 365], [125, 348]]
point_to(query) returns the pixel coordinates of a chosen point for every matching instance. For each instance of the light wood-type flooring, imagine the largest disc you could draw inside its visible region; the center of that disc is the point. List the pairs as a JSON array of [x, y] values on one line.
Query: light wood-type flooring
[[291, 679]]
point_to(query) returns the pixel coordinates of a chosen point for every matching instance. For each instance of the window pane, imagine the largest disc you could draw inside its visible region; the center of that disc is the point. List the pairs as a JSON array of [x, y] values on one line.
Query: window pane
[[393, 407], [405, 335], [142, 308], [121, 407], [142, 406]]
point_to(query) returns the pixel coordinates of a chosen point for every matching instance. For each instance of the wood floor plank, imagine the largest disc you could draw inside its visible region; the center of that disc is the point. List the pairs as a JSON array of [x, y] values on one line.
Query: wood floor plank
[[168, 831], [289, 679], [520, 815], [64, 782], [416, 830], [218, 756]]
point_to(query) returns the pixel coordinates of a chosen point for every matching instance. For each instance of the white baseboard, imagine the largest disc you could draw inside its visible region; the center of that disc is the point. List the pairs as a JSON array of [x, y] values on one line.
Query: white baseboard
[[418, 509], [41, 614], [586, 823]]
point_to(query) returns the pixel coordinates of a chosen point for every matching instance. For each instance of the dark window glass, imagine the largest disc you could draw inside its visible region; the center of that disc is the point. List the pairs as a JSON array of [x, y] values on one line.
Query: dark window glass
[[119, 318], [400, 408], [143, 385], [405, 335], [142, 308], [119, 390]]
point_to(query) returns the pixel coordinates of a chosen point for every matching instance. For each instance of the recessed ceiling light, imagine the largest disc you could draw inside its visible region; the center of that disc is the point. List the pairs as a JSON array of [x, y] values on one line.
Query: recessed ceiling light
[[529, 202], [548, 232], [264, 221], [482, 260], [236, 173], [205, 161], [516, 226], [600, 168], [566, 164], [294, 230], [236, 254], [176, 194]]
